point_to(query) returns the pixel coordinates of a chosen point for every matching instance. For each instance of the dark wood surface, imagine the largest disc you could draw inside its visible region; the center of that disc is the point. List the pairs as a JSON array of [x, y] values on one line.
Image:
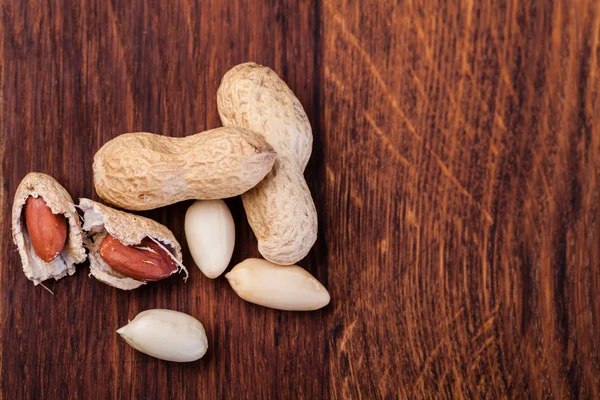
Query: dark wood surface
[[456, 171]]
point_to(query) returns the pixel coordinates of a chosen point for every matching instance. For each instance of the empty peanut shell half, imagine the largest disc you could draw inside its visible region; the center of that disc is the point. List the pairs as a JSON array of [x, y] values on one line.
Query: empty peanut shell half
[[126, 250], [46, 228]]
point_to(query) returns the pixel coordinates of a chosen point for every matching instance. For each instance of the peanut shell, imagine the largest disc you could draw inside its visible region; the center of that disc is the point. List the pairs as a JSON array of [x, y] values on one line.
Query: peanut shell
[[36, 184], [280, 209], [130, 230], [143, 171]]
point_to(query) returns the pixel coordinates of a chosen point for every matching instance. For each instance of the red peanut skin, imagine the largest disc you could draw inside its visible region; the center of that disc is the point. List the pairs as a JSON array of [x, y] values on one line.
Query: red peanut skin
[[47, 231], [135, 262]]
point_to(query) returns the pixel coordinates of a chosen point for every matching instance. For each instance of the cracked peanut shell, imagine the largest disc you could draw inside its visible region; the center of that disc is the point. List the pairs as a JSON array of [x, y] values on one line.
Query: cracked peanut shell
[[129, 229], [59, 201]]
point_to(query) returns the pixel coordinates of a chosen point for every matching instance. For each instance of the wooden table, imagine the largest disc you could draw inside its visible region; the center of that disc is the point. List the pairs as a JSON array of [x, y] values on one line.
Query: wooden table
[[455, 168]]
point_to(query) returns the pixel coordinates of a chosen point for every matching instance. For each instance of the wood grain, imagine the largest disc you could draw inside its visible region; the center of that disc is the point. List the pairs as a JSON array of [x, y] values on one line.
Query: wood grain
[[456, 172]]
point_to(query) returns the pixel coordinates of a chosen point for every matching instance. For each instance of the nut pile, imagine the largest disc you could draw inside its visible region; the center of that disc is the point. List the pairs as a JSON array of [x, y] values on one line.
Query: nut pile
[[260, 153]]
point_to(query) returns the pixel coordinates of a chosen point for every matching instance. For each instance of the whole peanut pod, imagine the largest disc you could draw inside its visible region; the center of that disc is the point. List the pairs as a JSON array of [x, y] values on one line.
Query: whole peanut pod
[[280, 208], [142, 171]]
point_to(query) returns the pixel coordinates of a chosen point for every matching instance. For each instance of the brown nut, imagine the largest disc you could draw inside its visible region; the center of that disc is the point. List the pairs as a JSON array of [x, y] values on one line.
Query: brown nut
[[145, 262], [47, 231]]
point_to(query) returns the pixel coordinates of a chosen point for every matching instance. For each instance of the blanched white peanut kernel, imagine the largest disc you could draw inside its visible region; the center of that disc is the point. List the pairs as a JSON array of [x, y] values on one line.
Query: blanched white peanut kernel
[[166, 334], [210, 235], [276, 286]]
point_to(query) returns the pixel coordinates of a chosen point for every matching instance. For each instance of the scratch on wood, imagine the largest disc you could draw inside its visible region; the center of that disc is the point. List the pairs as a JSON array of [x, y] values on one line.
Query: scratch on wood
[[356, 199], [445, 375], [544, 180], [450, 175], [428, 362], [410, 217], [386, 140], [334, 78], [488, 323], [330, 174], [468, 127], [421, 34], [502, 57], [383, 246], [351, 377], [530, 211], [457, 314], [445, 170], [347, 334], [367, 58], [436, 72], [506, 78], [500, 122], [477, 356], [419, 85]]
